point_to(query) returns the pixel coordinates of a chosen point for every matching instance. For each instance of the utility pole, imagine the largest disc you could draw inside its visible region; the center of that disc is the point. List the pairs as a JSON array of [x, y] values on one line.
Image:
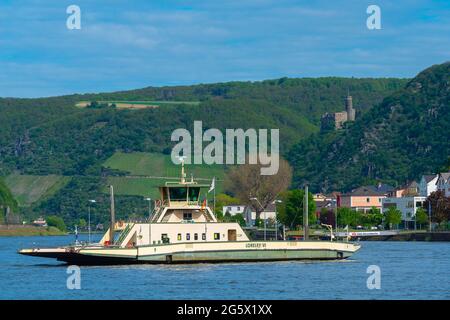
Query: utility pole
[[429, 213], [276, 218], [149, 220], [305, 216], [264, 210], [89, 218], [113, 222], [336, 221]]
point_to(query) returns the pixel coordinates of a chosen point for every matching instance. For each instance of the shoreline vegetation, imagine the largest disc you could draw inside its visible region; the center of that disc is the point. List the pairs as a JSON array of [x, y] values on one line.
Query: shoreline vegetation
[[20, 230]]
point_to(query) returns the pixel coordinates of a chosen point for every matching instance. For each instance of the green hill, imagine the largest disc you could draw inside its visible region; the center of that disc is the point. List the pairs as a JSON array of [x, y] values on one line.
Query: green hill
[[155, 169], [95, 147], [405, 136], [6, 200], [52, 136], [29, 189]]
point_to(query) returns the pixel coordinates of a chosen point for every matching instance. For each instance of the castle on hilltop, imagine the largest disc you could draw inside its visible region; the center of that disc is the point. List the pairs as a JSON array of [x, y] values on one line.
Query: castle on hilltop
[[335, 120]]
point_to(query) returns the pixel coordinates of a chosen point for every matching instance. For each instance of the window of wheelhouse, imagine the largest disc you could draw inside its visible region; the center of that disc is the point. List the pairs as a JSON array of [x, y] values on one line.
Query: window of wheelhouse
[[194, 193], [178, 194], [187, 216]]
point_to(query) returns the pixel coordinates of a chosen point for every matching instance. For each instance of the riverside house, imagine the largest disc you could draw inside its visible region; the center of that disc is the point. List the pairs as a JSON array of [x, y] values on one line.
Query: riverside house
[[427, 184], [443, 183], [365, 197], [407, 205]]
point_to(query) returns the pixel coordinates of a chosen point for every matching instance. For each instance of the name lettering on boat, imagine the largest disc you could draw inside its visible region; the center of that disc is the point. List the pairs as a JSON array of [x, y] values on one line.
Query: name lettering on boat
[[255, 245]]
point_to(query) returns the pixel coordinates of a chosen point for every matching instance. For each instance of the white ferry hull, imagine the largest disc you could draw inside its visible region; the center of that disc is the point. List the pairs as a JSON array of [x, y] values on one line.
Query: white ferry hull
[[206, 252]]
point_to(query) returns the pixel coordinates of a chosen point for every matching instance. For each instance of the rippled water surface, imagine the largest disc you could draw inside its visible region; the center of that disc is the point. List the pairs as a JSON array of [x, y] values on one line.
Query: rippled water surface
[[409, 270]]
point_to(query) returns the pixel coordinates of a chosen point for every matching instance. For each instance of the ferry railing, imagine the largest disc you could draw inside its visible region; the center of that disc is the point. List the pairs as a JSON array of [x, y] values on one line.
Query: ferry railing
[[125, 233]]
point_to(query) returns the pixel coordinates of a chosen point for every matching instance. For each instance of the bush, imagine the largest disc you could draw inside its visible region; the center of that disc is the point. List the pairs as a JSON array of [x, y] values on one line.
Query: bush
[[58, 222]]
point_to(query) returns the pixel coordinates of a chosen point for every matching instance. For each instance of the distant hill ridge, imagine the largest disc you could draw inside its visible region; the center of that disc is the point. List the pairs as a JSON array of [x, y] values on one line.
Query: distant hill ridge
[[405, 136], [52, 136], [52, 140]]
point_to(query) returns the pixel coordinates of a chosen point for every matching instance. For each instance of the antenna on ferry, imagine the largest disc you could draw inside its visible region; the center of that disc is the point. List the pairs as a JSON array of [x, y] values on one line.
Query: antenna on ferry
[[183, 175]]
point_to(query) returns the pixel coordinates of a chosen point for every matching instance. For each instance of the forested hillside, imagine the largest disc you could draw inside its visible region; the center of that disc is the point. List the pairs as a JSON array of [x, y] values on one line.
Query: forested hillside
[[6, 200], [51, 136], [405, 136]]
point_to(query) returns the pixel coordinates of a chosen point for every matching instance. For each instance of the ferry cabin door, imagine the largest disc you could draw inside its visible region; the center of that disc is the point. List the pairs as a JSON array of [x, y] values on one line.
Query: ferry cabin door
[[232, 235]]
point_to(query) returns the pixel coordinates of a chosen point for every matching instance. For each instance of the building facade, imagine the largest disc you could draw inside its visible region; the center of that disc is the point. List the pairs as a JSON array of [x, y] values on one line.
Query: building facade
[[443, 183], [233, 209], [427, 184], [269, 214], [407, 206], [365, 198]]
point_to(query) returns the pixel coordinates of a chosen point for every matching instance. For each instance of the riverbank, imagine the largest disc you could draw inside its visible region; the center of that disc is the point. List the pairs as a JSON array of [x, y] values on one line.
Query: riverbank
[[20, 230], [412, 236], [409, 235]]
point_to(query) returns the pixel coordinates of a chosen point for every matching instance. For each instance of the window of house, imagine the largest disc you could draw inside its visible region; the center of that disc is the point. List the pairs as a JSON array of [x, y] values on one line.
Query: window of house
[[195, 236], [188, 236], [203, 236], [367, 199], [179, 237], [239, 208], [187, 216], [229, 208], [216, 236]]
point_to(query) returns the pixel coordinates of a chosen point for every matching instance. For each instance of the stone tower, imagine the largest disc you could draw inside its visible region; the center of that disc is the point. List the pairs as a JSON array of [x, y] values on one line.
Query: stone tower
[[349, 108]]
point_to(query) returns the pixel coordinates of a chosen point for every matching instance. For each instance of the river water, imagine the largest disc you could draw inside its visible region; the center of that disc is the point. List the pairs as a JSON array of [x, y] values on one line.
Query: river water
[[409, 270]]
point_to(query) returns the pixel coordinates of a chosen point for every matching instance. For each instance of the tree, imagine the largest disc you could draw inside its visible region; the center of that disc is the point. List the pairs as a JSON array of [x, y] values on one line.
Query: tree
[[55, 221], [245, 181], [393, 217], [223, 200], [82, 223], [421, 217], [348, 217], [239, 218], [440, 206], [372, 218], [290, 212]]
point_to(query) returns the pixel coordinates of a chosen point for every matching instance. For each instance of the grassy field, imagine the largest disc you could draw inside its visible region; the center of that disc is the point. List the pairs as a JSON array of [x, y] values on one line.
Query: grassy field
[[14, 231], [137, 104], [159, 165], [28, 189], [154, 166]]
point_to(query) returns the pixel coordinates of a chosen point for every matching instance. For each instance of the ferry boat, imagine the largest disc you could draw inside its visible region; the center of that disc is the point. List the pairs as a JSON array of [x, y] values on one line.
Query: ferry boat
[[183, 229]]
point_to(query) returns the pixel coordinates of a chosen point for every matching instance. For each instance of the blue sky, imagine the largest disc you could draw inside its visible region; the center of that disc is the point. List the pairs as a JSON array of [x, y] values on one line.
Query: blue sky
[[133, 44]]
